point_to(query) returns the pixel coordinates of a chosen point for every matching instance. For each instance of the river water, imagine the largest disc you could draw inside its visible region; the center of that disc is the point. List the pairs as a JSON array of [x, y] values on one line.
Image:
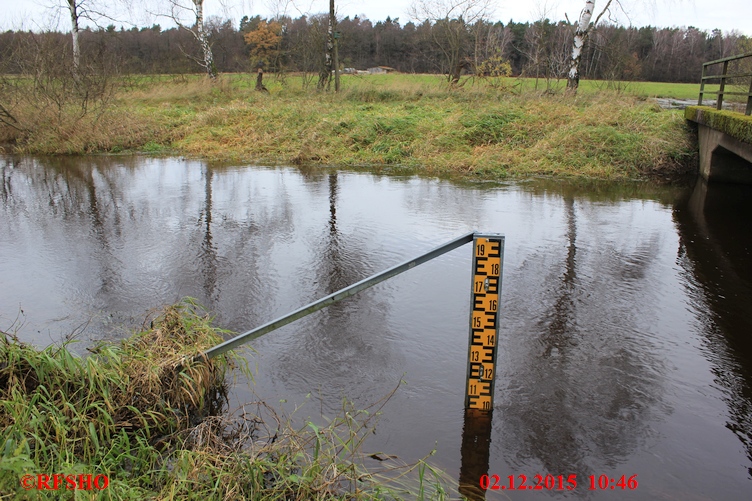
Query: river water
[[625, 341]]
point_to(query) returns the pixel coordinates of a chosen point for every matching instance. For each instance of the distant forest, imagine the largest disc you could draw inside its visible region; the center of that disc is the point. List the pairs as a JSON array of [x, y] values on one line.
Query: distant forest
[[540, 49]]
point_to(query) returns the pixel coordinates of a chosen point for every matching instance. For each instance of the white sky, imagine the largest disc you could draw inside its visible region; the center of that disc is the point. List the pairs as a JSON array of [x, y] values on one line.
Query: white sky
[[703, 14]]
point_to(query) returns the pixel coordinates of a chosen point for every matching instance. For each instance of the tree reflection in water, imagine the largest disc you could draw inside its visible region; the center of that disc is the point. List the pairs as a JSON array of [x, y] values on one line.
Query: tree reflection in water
[[577, 381]]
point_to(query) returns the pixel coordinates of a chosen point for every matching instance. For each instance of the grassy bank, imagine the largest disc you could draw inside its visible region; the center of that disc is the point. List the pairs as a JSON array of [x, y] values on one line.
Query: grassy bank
[[414, 121], [141, 415]]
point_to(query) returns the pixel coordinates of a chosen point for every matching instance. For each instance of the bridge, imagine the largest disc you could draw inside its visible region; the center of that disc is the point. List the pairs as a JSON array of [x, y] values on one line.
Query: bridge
[[725, 137]]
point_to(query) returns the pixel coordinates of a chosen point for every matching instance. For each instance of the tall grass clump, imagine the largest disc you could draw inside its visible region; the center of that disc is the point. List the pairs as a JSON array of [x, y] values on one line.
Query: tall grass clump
[[58, 410], [152, 417]]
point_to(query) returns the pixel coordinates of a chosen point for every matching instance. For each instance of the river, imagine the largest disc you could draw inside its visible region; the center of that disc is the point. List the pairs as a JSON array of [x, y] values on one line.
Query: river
[[625, 340]]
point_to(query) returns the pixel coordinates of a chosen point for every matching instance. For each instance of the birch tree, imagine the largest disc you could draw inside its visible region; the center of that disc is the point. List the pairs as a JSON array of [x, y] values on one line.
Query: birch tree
[[183, 11], [584, 26], [80, 10], [73, 9]]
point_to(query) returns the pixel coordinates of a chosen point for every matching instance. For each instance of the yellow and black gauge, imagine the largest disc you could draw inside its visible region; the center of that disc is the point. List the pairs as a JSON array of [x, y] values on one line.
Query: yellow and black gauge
[[488, 259]]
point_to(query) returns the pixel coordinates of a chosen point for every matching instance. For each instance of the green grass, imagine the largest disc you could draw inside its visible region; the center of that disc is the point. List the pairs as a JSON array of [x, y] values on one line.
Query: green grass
[[146, 416], [392, 84], [411, 121]]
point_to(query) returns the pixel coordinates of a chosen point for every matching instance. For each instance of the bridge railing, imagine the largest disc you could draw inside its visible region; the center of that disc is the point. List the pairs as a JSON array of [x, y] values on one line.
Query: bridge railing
[[724, 77]]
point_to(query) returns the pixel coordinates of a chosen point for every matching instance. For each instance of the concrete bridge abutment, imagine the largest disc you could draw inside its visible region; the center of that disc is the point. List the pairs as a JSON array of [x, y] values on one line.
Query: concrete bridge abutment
[[725, 141]]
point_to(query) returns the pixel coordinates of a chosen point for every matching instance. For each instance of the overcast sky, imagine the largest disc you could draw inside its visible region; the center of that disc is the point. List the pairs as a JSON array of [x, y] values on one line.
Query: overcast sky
[[703, 14]]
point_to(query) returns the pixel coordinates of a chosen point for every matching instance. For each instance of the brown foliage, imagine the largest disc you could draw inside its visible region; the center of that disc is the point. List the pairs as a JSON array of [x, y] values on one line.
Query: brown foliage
[[265, 42]]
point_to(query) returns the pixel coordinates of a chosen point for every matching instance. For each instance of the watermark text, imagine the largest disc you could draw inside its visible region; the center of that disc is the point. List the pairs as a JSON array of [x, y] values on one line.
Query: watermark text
[[60, 481]]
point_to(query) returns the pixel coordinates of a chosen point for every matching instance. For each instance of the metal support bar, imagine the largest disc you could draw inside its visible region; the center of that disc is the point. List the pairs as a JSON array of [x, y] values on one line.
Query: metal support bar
[[333, 298], [730, 75], [728, 93]]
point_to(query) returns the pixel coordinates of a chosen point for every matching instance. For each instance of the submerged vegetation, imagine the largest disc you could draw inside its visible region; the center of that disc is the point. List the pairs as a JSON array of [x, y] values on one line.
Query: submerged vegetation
[[411, 121], [145, 415]]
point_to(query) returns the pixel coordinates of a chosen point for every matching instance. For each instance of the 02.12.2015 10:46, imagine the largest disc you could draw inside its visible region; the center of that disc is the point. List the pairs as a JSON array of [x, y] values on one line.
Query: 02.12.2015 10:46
[[559, 482]]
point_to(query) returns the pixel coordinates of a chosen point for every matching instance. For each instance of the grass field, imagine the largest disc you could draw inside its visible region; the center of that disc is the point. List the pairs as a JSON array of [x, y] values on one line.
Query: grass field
[[491, 129], [438, 83]]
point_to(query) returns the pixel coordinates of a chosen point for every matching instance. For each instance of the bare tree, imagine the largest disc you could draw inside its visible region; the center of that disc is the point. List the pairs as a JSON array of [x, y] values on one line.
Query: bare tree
[[80, 10], [451, 20], [534, 49], [50, 98], [496, 39], [557, 59], [304, 38], [183, 12]]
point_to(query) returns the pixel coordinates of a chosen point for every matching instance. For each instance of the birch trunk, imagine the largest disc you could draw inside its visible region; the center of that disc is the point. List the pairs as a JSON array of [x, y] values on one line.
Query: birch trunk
[[73, 9], [203, 40], [580, 36]]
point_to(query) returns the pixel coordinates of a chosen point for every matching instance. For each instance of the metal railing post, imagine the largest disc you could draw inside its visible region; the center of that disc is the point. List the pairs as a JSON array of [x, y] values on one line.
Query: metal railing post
[[702, 83], [719, 103]]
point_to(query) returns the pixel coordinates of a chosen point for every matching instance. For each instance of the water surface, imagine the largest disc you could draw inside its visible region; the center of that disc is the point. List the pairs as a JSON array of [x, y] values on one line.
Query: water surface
[[624, 346]]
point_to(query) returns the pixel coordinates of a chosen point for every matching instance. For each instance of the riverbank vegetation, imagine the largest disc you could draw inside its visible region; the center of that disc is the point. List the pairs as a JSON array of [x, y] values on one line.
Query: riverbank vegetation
[[453, 110], [489, 128], [151, 420]]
